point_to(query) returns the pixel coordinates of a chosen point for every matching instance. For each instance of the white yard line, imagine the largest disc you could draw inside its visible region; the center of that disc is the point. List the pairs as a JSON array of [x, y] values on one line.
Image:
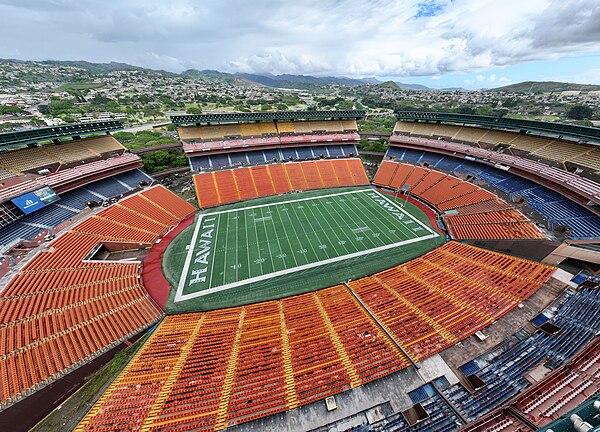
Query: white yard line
[[290, 201], [180, 297]]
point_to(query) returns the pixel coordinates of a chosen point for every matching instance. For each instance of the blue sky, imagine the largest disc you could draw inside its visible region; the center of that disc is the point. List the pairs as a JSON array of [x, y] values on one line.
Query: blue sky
[[439, 43]]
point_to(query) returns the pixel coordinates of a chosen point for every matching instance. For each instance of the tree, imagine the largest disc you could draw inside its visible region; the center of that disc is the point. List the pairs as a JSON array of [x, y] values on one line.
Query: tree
[[580, 112], [193, 110], [9, 109], [466, 110]]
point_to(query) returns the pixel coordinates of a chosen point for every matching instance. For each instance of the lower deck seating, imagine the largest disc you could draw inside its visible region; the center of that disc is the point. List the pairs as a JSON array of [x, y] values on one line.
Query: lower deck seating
[[222, 187], [59, 311], [553, 207], [282, 354], [260, 157], [470, 211]]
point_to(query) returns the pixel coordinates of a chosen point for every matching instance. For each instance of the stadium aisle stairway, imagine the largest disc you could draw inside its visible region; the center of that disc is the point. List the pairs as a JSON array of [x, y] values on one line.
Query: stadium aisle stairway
[[60, 311], [213, 370]]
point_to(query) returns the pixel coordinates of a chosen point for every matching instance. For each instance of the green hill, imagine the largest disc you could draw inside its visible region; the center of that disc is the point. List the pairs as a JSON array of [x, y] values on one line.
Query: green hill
[[545, 87]]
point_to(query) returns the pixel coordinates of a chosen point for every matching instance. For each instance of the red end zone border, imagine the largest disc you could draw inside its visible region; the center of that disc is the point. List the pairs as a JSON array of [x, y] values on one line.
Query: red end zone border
[[153, 279]]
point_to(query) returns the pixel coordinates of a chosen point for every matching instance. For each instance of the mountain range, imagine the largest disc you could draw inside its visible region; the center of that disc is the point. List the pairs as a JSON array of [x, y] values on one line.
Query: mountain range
[[303, 82], [300, 82]]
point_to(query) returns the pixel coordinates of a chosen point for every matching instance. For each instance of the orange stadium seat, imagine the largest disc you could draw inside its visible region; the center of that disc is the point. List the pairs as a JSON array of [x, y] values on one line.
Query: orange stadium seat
[[357, 170], [60, 311], [281, 354], [228, 186], [245, 184], [263, 181], [279, 177], [296, 176], [206, 190], [342, 172], [312, 175], [327, 174], [385, 174]]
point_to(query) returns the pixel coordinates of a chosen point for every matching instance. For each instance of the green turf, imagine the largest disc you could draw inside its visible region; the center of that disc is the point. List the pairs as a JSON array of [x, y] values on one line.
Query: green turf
[[286, 245]]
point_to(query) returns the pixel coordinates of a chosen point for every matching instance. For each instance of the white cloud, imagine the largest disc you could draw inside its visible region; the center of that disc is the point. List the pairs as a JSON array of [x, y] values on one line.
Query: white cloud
[[323, 37]]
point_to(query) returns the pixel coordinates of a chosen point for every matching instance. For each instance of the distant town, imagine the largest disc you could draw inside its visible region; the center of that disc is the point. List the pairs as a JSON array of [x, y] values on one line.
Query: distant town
[[34, 94]]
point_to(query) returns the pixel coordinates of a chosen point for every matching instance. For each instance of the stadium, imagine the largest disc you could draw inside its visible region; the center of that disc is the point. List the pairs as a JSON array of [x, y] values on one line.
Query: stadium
[[453, 289]]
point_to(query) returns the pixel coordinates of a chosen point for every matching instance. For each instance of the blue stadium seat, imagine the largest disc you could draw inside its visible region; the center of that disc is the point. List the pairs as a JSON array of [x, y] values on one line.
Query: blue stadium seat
[[200, 163], [107, 188], [335, 150], [412, 155], [133, 178], [320, 150], [289, 153], [579, 319], [431, 158], [219, 161], [238, 158], [17, 231], [272, 154], [77, 198], [304, 153], [256, 157]]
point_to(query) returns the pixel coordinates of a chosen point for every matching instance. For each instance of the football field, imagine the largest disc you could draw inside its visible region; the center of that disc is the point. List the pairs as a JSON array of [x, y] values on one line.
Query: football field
[[261, 251]]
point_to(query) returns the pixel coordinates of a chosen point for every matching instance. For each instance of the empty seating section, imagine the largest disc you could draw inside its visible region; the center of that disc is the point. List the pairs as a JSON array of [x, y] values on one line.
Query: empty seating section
[[20, 161], [578, 317], [58, 311], [32, 159], [432, 302], [222, 187], [553, 207], [564, 389], [507, 224], [260, 180], [252, 138], [103, 144], [73, 177], [441, 417], [69, 205], [498, 421], [216, 369], [261, 157], [215, 132], [245, 184], [535, 147], [476, 213]]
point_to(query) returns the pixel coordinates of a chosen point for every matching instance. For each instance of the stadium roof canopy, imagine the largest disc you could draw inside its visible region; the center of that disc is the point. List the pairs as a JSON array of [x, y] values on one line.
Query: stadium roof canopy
[[583, 133], [266, 116], [15, 139]]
